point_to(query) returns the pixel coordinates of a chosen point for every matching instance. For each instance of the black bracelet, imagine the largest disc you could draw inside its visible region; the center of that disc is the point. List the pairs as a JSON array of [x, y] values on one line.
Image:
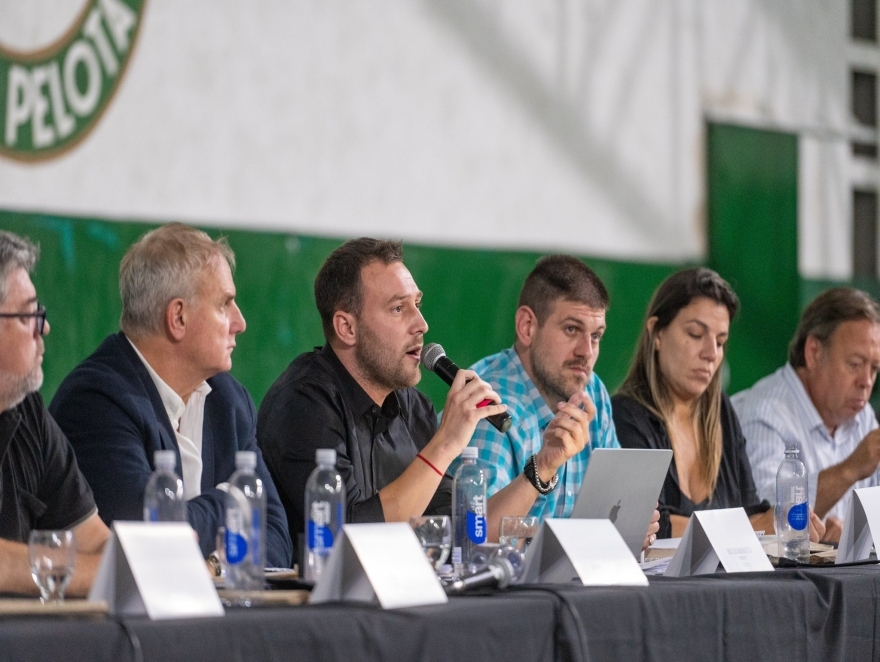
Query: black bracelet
[[531, 473]]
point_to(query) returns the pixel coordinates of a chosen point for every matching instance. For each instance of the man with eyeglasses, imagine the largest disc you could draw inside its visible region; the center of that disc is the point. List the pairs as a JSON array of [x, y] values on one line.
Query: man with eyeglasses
[[41, 486]]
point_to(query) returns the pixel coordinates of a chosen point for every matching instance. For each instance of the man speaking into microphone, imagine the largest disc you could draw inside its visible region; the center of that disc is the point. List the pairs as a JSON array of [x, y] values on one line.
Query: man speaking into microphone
[[356, 395]]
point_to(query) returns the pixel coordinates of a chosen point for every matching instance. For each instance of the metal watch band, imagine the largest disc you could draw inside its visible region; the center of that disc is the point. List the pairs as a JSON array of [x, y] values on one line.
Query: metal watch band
[[531, 473]]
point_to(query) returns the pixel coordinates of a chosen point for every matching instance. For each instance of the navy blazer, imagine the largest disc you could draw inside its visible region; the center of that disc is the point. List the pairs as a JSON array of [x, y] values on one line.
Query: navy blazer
[[112, 414]]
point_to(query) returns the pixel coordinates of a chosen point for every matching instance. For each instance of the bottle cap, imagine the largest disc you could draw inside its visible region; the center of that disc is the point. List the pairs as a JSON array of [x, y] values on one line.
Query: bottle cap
[[164, 460], [469, 453], [325, 456], [245, 460]]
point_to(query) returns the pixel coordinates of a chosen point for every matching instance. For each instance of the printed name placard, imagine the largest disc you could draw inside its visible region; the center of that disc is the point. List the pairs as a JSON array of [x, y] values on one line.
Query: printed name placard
[[155, 569], [381, 563], [591, 551], [861, 527], [714, 536]]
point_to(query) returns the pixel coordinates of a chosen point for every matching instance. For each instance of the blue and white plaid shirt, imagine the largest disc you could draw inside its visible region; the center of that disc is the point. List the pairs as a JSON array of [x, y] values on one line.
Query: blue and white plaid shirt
[[507, 453]]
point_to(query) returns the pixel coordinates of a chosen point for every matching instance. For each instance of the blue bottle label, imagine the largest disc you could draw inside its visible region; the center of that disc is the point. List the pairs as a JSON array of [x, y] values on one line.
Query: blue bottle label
[[320, 537], [798, 516], [476, 527], [236, 547], [319, 533], [154, 515]]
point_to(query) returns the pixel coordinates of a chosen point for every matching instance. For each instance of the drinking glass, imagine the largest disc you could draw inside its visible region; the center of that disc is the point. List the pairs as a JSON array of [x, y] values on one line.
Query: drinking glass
[[435, 535], [52, 556], [517, 532]]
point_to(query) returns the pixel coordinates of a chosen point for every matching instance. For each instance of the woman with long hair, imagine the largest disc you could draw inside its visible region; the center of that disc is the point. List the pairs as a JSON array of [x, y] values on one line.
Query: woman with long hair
[[672, 398]]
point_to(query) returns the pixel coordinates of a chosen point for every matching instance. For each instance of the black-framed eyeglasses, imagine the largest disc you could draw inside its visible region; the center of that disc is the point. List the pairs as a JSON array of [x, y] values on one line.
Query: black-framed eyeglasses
[[39, 316]]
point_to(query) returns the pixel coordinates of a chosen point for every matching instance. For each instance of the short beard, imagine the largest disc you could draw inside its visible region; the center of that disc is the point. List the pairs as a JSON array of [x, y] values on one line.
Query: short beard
[[379, 365], [555, 385], [15, 388]]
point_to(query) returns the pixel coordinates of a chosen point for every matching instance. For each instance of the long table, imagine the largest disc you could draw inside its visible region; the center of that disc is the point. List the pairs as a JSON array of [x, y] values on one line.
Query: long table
[[823, 614]]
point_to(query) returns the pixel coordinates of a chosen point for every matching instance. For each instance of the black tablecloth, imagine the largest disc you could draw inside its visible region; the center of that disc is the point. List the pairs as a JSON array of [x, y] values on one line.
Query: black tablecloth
[[823, 615]]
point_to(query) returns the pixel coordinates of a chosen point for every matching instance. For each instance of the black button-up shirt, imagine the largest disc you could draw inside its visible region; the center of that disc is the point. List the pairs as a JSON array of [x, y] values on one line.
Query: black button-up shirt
[[316, 403], [41, 486]]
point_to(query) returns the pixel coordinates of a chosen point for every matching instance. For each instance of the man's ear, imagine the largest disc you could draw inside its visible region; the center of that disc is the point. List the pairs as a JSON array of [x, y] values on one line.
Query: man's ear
[[526, 325], [345, 327], [175, 320], [813, 349]]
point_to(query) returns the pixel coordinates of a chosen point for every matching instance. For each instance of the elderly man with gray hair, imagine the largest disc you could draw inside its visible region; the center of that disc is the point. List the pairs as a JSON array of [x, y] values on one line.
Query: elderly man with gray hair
[[163, 383], [41, 486], [819, 400]]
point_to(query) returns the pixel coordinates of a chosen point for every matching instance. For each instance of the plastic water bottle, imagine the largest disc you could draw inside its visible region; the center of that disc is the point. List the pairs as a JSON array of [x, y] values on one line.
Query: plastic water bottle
[[245, 525], [792, 506], [468, 513], [325, 512], [163, 496]]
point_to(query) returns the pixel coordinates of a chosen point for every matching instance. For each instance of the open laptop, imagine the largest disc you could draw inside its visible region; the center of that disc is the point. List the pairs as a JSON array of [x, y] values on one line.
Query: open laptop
[[622, 484]]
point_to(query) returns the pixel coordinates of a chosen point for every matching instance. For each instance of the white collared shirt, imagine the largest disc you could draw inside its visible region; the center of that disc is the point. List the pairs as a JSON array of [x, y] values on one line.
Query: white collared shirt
[[777, 410], [187, 421]]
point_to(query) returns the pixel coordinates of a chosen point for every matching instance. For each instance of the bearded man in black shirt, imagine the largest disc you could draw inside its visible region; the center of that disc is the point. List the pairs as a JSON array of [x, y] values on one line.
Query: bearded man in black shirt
[[41, 486], [356, 395]]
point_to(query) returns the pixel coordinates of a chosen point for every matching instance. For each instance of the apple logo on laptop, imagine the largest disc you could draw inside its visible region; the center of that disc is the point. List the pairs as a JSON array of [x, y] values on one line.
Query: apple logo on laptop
[[614, 510]]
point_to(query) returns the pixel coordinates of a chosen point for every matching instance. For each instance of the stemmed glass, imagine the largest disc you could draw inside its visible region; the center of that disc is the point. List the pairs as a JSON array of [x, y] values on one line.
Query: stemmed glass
[[435, 535], [52, 556]]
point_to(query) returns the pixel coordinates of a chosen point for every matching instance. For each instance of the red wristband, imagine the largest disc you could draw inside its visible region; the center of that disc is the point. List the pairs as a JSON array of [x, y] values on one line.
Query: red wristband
[[425, 460]]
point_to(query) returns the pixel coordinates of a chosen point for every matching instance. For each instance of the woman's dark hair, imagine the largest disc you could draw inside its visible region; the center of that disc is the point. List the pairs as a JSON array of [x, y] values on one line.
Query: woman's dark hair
[[647, 385]]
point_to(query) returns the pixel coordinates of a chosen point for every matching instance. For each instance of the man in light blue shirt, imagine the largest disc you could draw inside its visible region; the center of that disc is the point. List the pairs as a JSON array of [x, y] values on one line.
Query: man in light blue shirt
[[559, 322], [819, 400]]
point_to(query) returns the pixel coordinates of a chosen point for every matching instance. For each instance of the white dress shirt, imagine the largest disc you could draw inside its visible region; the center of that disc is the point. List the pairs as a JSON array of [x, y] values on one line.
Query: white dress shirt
[[777, 410], [187, 421]]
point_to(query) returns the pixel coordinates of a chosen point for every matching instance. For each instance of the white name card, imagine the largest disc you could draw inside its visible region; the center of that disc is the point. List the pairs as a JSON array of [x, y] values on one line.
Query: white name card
[[379, 562], [589, 550], [714, 536], [155, 569], [861, 527]]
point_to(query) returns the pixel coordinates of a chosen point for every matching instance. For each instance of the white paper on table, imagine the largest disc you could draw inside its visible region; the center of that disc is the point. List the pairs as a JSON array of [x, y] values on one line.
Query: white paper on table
[[712, 536], [379, 562], [666, 543], [155, 568], [861, 526], [655, 566], [591, 550]]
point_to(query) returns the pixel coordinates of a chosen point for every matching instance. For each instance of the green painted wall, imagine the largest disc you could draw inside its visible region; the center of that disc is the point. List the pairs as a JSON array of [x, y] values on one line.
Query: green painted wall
[[470, 296], [752, 207]]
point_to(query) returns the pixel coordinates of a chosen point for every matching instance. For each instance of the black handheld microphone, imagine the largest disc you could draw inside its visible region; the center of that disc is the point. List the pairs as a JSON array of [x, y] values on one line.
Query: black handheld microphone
[[434, 359], [497, 574]]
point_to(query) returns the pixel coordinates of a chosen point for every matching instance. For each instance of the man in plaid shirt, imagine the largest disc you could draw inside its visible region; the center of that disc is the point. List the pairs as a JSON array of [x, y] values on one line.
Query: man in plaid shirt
[[559, 322]]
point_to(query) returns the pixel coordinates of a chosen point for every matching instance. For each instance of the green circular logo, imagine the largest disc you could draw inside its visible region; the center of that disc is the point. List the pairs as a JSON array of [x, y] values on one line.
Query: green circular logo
[[52, 97]]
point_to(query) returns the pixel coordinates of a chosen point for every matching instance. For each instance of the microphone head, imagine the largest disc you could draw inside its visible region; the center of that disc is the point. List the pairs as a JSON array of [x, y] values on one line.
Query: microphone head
[[502, 570], [430, 354]]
